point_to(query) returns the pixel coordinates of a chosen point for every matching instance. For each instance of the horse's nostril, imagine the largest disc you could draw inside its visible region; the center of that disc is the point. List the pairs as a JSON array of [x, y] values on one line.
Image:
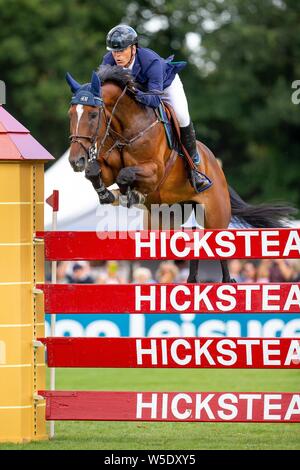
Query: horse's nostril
[[80, 164]]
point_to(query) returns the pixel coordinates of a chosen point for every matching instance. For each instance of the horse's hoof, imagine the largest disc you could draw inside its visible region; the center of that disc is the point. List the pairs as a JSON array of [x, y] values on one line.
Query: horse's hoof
[[134, 197], [116, 193], [106, 198], [126, 177], [131, 198], [123, 200], [193, 280]]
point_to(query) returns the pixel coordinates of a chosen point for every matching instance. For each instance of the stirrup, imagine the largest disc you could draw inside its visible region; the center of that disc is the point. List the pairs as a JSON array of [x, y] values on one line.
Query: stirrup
[[200, 181]]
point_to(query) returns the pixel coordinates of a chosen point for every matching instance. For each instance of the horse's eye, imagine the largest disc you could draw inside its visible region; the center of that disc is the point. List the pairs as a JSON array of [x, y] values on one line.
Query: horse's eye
[[93, 115]]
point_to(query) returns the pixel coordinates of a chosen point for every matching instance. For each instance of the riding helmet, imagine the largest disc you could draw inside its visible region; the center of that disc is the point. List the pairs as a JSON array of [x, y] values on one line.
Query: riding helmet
[[120, 37]]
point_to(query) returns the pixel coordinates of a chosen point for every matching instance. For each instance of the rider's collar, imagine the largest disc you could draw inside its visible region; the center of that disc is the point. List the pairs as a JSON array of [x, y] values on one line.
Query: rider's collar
[[130, 67], [85, 97]]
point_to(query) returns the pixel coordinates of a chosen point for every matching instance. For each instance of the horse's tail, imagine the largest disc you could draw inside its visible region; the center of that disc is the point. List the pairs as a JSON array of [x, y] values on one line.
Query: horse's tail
[[263, 215]]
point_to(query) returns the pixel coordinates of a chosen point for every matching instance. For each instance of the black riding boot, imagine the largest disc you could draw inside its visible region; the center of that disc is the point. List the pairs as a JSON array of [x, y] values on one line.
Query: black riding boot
[[198, 180]]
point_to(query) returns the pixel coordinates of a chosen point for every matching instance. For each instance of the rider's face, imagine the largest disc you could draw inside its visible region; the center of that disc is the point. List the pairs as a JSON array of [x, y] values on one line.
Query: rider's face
[[122, 58]]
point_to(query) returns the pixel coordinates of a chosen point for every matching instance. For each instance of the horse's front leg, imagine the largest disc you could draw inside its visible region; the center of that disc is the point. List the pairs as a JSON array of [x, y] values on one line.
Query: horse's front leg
[[93, 174], [135, 182]]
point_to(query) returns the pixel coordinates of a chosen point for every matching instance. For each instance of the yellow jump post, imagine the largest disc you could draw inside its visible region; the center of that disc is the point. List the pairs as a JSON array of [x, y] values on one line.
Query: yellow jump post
[[22, 368]]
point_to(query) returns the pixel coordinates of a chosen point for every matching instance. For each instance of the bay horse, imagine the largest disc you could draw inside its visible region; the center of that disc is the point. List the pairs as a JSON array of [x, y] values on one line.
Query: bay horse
[[114, 138]]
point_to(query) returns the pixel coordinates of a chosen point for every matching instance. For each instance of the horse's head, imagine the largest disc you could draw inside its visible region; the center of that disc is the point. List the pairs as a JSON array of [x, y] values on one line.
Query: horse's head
[[85, 120]]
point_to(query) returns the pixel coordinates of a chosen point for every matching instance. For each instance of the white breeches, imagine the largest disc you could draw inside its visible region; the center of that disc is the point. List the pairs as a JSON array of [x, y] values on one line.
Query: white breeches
[[175, 96]]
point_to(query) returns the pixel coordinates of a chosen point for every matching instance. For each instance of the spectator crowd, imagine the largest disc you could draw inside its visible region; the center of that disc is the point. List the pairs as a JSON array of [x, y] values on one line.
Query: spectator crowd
[[120, 272]]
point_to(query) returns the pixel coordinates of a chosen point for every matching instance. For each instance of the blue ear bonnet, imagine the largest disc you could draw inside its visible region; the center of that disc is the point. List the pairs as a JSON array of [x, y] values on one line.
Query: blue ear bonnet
[[84, 96], [88, 94]]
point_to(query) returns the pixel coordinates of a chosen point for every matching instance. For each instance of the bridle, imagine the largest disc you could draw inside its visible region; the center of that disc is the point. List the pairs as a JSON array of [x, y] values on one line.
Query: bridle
[[91, 151], [119, 141]]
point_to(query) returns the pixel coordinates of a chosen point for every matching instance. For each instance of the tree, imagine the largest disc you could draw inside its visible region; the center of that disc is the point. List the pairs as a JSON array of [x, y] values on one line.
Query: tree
[[40, 41], [240, 91], [241, 65]]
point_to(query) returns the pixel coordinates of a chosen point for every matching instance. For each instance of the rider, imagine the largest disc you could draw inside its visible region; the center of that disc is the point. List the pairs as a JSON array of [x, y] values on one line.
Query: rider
[[156, 75]]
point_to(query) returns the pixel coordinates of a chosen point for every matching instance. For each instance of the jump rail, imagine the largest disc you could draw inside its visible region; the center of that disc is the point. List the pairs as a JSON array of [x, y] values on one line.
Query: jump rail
[[281, 353], [212, 353], [185, 244], [173, 406]]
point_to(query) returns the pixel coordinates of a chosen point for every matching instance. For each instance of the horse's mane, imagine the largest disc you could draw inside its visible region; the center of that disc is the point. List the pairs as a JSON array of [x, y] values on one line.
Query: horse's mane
[[121, 77], [116, 74]]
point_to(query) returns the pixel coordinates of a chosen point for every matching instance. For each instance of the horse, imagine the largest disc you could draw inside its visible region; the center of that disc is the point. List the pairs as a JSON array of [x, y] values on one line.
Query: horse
[[115, 139]]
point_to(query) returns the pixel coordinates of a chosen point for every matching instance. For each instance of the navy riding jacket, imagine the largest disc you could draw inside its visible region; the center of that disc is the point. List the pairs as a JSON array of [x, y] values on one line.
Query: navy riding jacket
[[151, 71]]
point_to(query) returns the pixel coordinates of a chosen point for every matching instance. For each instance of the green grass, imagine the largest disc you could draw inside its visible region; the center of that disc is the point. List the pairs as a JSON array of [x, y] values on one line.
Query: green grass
[[190, 436]]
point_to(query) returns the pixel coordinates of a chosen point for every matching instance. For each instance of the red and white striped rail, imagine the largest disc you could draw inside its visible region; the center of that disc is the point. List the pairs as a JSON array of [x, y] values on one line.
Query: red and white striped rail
[[272, 407], [185, 244], [265, 353], [172, 298], [227, 353]]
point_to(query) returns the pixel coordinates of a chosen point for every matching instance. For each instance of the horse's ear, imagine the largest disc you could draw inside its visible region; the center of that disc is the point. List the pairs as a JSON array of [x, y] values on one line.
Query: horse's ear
[[72, 83], [95, 84]]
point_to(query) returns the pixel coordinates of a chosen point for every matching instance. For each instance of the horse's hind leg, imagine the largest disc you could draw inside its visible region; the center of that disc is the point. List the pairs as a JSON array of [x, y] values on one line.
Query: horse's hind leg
[[193, 277], [157, 223], [225, 271]]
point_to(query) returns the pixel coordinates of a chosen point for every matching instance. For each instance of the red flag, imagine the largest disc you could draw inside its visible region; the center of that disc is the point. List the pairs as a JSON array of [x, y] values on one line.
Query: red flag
[[53, 200]]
